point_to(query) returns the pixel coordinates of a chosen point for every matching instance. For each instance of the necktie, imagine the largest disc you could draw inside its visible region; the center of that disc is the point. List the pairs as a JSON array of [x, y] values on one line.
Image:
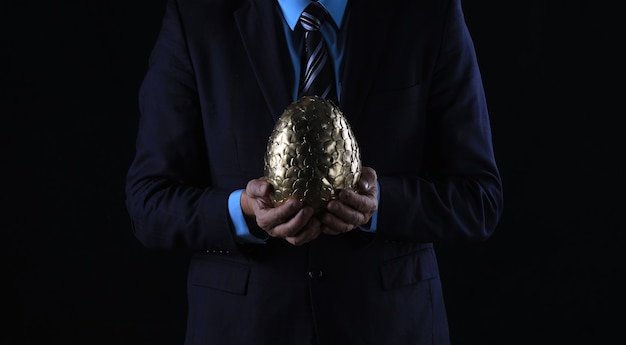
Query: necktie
[[318, 78]]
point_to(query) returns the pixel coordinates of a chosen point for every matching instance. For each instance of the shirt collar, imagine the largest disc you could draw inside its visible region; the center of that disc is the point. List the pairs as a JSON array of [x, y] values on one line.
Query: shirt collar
[[293, 8]]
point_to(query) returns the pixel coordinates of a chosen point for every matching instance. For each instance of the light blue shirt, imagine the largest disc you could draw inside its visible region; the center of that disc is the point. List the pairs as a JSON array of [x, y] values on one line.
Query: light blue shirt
[[335, 38]]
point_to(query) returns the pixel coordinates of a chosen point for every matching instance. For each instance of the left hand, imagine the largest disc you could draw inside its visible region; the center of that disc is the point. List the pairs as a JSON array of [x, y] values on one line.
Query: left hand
[[352, 208]]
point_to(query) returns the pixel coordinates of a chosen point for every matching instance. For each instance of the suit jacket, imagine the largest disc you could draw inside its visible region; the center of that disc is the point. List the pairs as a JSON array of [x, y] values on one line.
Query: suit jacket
[[219, 76]]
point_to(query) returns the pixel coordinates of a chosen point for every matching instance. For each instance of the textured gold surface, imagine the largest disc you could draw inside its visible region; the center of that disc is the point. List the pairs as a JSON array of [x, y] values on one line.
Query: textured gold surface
[[311, 153]]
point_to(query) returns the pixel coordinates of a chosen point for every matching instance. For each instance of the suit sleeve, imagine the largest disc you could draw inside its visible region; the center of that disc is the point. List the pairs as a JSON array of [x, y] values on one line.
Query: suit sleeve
[[169, 194], [458, 194]]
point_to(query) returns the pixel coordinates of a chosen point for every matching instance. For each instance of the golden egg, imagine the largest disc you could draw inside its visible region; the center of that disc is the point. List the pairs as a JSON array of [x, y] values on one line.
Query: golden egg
[[311, 154]]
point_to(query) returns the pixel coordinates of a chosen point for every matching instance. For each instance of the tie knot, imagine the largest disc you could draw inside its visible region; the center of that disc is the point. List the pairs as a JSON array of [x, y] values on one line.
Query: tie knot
[[312, 17]]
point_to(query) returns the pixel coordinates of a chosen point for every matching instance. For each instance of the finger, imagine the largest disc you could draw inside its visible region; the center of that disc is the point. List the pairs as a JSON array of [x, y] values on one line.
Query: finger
[[365, 204], [296, 224], [258, 188], [367, 180], [292, 226], [339, 218], [308, 233], [271, 218], [325, 229]]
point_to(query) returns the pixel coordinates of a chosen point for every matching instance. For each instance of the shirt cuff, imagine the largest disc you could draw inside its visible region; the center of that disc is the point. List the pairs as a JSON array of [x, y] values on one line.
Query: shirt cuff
[[371, 227], [239, 221]]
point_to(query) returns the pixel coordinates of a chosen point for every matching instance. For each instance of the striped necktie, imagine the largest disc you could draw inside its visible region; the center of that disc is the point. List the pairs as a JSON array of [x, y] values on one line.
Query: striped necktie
[[318, 78]]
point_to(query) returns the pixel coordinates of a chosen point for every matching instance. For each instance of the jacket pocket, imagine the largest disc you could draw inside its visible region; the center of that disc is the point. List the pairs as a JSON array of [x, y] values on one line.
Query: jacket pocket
[[225, 276], [408, 270]]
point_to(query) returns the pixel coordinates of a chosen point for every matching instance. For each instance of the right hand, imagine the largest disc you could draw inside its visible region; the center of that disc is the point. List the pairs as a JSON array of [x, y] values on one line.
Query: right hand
[[292, 220]]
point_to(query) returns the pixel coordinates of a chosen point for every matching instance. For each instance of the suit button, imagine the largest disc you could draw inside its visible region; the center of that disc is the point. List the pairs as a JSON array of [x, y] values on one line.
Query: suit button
[[315, 274]]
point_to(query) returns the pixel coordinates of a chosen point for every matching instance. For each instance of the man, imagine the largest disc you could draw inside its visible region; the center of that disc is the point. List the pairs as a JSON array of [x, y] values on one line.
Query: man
[[364, 271]]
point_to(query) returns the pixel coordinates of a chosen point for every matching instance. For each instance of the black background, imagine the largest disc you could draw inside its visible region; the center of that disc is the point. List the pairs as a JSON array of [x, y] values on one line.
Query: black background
[[72, 272]]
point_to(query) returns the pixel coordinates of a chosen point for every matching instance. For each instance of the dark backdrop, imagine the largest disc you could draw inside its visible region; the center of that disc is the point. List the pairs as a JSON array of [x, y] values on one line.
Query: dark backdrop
[[73, 273]]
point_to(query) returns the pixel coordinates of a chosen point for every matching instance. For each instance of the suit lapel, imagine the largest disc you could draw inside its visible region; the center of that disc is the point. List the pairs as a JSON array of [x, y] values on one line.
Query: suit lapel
[[367, 27], [262, 34]]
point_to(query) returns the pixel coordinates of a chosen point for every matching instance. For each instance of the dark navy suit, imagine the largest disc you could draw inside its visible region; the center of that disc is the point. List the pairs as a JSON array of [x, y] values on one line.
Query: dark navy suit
[[220, 74]]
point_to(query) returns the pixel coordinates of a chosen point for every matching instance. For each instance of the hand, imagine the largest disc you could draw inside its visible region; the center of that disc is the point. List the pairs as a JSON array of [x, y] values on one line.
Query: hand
[[292, 220], [352, 208]]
